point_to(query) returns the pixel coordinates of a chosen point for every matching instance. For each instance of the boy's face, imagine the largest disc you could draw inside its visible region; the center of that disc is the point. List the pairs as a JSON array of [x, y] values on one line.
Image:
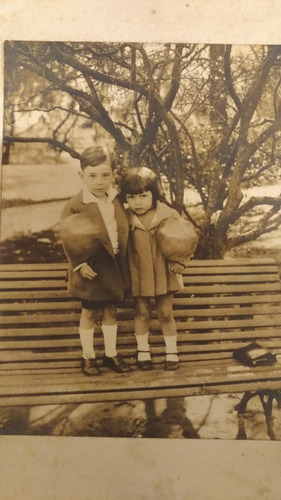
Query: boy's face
[[97, 179]]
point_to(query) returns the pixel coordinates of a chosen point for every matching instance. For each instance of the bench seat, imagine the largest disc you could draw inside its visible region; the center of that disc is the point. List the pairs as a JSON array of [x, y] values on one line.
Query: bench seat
[[225, 304]]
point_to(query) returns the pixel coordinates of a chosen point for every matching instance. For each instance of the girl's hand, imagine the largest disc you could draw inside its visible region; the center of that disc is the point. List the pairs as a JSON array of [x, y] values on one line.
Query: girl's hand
[[176, 267], [87, 272]]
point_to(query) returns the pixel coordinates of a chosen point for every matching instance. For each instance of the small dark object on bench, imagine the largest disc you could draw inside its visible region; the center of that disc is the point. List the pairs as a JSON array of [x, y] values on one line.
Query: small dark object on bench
[[254, 355]]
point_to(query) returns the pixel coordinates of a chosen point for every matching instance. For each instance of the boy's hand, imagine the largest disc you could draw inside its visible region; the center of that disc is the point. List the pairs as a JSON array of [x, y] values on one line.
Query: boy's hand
[[176, 267], [87, 272]]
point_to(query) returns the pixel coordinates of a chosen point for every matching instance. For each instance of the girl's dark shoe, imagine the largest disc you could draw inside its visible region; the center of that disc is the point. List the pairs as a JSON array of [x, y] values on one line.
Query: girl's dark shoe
[[117, 364], [89, 367], [145, 364], [171, 365]]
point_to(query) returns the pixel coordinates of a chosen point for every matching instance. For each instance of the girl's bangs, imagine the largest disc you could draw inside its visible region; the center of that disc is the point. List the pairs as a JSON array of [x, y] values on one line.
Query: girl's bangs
[[136, 185]]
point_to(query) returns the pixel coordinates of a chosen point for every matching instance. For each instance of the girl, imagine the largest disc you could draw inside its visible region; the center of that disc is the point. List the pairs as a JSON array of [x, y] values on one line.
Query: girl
[[94, 234], [151, 274]]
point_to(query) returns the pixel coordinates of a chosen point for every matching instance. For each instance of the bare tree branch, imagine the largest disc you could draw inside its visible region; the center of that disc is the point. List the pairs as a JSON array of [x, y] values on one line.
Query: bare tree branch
[[263, 227], [64, 51], [53, 142], [256, 201], [48, 110], [228, 77]]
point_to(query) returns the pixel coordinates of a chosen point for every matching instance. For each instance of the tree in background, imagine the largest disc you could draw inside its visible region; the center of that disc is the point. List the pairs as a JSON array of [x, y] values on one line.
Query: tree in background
[[205, 117]]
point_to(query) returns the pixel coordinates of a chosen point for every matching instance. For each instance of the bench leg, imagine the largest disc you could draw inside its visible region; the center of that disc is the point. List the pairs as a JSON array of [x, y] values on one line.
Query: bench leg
[[266, 398], [241, 407]]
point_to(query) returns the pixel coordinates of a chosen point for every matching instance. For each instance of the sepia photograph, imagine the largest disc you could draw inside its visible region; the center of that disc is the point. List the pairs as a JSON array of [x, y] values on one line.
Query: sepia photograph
[[139, 250], [140, 229]]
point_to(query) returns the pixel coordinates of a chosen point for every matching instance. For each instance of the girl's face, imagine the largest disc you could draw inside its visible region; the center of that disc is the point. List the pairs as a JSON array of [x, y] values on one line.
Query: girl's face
[[97, 179], [140, 203]]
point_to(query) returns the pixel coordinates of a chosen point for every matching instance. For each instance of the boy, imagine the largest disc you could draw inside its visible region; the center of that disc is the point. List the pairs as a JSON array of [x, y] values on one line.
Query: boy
[[94, 235]]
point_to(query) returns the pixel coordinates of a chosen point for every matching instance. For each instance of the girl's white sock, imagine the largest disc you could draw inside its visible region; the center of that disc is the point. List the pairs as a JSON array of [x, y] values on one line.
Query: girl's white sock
[[110, 339], [171, 348], [87, 339], [143, 347]]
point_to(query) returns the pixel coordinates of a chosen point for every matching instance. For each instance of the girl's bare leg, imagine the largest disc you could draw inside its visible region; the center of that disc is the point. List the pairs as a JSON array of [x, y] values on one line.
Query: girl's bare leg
[[142, 320], [142, 315], [164, 310]]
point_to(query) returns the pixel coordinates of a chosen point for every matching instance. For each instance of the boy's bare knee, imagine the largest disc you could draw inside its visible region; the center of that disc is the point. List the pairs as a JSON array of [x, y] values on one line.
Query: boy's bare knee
[[109, 314], [89, 314]]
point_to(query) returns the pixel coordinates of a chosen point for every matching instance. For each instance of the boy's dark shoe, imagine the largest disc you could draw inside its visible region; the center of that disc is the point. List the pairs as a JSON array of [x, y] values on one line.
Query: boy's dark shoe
[[89, 367], [117, 364]]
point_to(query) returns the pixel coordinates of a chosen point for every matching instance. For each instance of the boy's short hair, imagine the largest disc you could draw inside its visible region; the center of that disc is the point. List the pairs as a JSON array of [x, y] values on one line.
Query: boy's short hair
[[138, 180], [95, 155]]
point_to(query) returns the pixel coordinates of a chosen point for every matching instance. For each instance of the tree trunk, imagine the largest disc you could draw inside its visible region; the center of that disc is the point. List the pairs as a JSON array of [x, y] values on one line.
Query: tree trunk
[[212, 244]]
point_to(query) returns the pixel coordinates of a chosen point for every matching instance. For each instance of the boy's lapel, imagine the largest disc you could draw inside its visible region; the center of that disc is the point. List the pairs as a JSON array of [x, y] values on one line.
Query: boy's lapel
[[122, 221], [102, 236]]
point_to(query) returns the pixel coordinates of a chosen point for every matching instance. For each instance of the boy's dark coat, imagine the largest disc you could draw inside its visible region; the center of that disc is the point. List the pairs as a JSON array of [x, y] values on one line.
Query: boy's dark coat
[[110, 284]]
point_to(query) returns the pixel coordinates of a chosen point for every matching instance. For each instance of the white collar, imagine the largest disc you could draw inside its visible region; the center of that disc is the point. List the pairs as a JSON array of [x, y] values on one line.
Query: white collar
[[91, 198], [135, 222]]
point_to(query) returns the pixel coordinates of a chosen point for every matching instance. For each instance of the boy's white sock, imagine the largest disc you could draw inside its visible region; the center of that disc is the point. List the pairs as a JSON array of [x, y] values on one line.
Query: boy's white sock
[[110, 339], [143, 347], [87, 338], [171, 348]]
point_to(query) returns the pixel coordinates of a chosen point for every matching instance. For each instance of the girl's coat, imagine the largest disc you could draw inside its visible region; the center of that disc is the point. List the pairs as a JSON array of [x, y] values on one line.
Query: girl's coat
[[149, 269], [112, 280]]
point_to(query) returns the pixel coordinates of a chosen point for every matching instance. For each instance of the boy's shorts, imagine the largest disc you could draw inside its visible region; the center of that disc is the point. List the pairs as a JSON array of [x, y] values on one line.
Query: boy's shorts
[[96, 305]]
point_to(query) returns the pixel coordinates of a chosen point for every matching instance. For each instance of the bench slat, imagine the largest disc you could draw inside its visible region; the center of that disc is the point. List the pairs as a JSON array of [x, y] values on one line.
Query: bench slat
[[189, 290], [235, 262], [174, 392], [217, 289], [75, 342], [178, 302], [58, 316], [14, 275], [40, 306], [243, 278], [173, 387], [228, 270], [218, 272], [126, 326], [126, 338], [258, 285], [223, 300], [33, 284], [43, 282], [133, 382]]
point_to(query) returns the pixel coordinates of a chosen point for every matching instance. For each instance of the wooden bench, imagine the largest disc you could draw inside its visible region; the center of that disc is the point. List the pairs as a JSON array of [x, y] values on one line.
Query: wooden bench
[[225, 304]]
